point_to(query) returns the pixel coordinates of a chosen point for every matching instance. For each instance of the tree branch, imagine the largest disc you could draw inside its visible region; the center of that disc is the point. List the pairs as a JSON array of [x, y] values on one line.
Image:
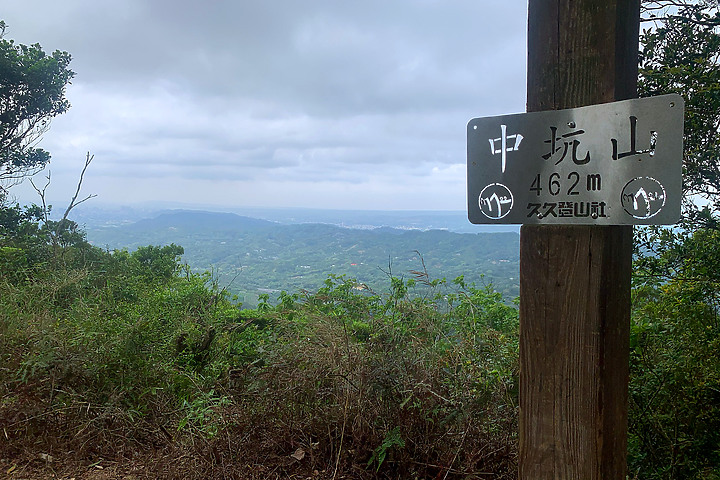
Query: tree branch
[[73, 202], [41, 193]]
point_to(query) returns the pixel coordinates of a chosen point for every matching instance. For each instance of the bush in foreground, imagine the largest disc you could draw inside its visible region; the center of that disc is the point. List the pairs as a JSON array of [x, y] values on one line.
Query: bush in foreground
[[109, 354]]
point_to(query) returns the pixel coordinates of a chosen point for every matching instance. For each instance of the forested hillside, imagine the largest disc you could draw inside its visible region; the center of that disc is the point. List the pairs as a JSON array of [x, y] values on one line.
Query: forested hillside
[[130, 361], [251, 257]]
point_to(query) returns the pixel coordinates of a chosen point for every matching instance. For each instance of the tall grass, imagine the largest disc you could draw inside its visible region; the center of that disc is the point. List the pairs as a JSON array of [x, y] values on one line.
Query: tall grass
[[115, 355], [107, 353]]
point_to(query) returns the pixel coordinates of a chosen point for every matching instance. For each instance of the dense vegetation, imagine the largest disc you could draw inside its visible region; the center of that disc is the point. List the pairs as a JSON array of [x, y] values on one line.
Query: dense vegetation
[[250, 256], [32, 92], [105, 354], [675, 369]]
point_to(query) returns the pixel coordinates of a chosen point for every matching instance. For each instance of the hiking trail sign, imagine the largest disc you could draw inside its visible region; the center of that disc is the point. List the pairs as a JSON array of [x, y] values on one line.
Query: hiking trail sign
[[616, 163]]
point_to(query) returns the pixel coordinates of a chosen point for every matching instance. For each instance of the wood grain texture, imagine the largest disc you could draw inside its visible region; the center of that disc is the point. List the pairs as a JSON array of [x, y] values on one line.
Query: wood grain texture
[[574, 314], [575, 280]]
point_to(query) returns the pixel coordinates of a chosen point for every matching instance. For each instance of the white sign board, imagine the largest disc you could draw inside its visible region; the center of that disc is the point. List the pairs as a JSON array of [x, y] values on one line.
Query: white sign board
[[612, 164]]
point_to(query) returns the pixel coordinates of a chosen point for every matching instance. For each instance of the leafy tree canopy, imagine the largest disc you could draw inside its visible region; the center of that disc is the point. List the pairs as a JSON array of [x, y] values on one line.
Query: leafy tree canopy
[[681, 54], [32, 92], [675, 333]]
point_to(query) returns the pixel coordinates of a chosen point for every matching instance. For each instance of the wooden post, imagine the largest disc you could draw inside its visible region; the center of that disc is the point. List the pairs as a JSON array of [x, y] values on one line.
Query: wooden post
[[575, 280]]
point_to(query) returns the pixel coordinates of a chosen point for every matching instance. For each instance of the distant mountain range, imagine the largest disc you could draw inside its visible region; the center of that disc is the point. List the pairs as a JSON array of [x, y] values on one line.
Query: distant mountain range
[[253, 255], [454, 221], [192, 221]]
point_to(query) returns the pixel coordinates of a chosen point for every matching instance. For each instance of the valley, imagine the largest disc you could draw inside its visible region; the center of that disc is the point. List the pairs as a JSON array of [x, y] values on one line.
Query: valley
[[251, 256]]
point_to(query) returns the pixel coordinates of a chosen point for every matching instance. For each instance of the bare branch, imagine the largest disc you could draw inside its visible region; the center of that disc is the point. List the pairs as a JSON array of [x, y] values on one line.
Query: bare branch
[[73, 202], [41, 193], [85, 199]]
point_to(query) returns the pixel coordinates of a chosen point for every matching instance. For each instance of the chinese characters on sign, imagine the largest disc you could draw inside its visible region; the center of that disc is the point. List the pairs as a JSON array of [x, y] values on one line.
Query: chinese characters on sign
[[503, 144], [575, 143], [611, 164]]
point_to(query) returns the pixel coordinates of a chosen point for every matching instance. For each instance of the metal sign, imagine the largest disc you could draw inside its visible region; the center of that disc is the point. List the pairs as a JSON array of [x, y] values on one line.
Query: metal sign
[[612, 164]]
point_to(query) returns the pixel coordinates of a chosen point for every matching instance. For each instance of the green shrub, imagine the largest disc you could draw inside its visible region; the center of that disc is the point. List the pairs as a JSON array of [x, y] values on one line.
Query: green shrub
[[675, 369]]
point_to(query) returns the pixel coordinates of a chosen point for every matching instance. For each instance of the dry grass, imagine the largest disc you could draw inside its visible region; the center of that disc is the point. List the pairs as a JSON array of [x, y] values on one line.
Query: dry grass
[[321, 405]]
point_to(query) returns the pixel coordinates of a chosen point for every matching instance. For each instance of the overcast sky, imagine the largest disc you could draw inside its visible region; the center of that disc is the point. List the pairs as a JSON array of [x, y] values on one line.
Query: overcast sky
[[280, 103]]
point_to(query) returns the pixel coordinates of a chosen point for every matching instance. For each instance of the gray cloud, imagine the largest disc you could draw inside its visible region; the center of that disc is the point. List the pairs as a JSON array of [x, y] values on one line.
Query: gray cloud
[[278, 91]]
